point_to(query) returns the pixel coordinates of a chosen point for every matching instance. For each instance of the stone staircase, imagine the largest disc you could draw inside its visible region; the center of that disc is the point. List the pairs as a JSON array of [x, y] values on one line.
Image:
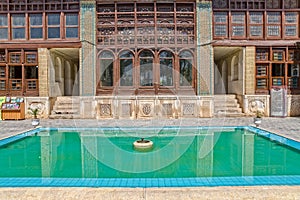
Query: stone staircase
[[66, 108], [227, 106]]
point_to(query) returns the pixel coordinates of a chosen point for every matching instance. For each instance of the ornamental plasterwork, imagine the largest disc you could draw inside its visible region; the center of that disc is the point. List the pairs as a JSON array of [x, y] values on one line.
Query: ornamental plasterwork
[[188, 108], [105, 109], [146, 108]]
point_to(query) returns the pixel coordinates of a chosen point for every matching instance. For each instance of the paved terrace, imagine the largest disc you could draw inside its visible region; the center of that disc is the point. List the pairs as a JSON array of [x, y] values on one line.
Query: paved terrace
[[288, 127]]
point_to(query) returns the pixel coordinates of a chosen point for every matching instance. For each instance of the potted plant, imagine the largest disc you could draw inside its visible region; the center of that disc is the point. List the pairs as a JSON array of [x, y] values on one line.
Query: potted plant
[[34, 111], [258, 117]]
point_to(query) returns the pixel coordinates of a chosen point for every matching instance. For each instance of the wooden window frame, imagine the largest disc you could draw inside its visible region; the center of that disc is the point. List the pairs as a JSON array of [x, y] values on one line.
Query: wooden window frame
[[269, 24], [261, 25], [5, 26], [220, 23], [71, 26], [286, 24], [237, 23], [24, 27], [36, 26], [54, 26]]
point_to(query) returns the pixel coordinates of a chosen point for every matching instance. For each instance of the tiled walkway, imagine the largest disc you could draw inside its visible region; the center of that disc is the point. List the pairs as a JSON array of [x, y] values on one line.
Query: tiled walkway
[[288, 127]]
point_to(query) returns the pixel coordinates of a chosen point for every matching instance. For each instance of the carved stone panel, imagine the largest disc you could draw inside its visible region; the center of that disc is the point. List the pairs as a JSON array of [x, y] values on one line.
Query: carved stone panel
[[126, 110], [105, 110], [188, 109], [167, 109], [146, 109]]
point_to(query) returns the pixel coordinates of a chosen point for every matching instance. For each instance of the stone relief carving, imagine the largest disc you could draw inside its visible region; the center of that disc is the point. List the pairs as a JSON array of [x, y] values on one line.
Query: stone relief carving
[[146, 108], [295, 107], [105, 109], [41, 106], [188, 108], [255, 105]]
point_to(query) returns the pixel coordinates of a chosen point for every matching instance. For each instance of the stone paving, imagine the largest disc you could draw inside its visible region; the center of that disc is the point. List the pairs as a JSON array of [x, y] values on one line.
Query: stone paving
[[288, 127]]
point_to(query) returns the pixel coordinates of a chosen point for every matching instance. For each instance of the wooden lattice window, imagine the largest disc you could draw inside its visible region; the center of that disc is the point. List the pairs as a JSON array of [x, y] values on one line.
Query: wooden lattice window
[[291, 24], [256, 24], [3, 27], [126, 68], [273, 24], [31, 58], [15, 57], [71, 25], [273, 4], [238, 24], [291, 4], [18, 26], [53, 25], [36, 26], [262, 54], [106, 69], [220, 24]]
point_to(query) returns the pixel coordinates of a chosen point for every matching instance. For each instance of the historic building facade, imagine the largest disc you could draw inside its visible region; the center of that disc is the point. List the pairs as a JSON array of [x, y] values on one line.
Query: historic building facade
[[148, 59]]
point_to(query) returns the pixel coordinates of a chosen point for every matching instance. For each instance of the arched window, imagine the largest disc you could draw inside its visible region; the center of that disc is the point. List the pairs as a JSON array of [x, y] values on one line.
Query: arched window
[[166, 68], [126, 68], [146, 68], [106, 68], [186, 68]]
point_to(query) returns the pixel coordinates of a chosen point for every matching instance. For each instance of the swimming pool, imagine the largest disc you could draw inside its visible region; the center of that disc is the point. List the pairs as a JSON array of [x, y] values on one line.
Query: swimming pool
[[181, 157]]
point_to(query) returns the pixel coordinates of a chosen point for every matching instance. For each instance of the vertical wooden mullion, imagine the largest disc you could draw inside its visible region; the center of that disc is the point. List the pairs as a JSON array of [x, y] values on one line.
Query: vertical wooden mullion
[[62, 25], [155, 23], [23, 90], [9, 23], [44, 25], [270, 67], [137, 61], [27, 26], [229, 25], [156, 69], [7, 78], [135, 24], [177, 72], [265, 29]]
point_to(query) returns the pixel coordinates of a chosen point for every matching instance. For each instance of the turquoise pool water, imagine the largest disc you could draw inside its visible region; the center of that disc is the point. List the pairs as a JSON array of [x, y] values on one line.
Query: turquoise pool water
[[185, 156]]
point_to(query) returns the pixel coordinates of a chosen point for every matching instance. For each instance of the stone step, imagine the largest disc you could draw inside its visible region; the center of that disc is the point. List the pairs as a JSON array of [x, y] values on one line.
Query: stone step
[[230, 96], [64, 116], [73, 98], [65, 106], [226, 104], [229, 115], [65, 111], [229, 109], [67, 101], [225, 100]]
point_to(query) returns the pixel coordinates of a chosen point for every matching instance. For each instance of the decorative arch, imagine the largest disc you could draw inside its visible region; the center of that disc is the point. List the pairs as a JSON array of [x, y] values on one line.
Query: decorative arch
[[166, 68], [146, 67], [106, 68], [126, 65], [186, 60]]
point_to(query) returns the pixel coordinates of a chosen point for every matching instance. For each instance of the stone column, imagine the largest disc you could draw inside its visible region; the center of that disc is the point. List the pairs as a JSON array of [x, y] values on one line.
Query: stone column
[[43, 72], [250, 70], [88, 51], [205, 64]]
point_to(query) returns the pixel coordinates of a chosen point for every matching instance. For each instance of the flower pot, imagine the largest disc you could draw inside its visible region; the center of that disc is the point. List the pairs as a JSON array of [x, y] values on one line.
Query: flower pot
[[257, 121], [35, 122]]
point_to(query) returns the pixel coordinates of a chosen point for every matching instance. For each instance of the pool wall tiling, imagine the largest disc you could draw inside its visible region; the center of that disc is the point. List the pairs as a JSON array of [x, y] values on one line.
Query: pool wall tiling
[[150, 182], [155, 182], [274, 137]]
